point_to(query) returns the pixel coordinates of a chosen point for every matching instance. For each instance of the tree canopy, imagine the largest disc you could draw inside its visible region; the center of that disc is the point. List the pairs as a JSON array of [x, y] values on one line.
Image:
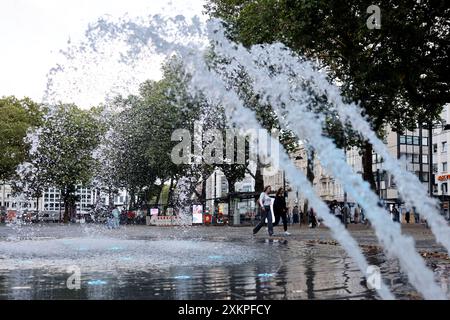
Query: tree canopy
[[17, 117], [399, 73]]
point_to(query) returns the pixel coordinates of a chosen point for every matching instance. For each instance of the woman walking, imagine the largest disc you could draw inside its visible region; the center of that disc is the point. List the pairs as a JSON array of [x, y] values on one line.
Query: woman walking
[[264, 202], [280, 210]]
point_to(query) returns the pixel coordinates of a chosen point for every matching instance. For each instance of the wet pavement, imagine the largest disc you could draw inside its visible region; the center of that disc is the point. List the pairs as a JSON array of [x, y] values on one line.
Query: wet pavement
[[207, 262]]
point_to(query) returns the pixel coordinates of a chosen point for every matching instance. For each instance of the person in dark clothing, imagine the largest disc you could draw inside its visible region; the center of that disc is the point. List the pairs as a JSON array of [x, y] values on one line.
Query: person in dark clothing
[[280, 210], [407, 215], [295, 215], [312, 218], [395, 214]]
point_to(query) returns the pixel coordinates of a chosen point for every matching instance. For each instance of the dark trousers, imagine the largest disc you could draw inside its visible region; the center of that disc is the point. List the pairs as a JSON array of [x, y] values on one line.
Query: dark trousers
[[281, 214], [265, 214]]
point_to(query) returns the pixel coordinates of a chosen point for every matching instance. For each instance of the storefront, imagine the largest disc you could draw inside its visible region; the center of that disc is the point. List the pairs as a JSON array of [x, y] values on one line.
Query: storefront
[[445, 205], [237, 209]]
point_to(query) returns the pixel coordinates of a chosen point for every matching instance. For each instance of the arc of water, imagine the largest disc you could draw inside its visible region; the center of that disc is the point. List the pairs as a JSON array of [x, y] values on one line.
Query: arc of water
[[206, 81], [165, 47], [409, 186], [273, 91]]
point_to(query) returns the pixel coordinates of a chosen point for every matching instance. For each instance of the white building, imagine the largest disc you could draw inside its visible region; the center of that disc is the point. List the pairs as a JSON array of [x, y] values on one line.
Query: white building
[[441, 160], [51, 199]]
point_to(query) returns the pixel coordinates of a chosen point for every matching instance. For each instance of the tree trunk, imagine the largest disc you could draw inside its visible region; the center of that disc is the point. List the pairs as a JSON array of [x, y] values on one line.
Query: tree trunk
[[231, 186], [367, 165], [66, 210], [203, 196], [110, 199], [310, 176], [132, 199], [158, 195], [169, 196], [259, 180]]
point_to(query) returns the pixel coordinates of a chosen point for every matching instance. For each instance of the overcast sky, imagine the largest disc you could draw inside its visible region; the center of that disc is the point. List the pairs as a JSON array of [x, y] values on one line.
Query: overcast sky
[[33, 31]]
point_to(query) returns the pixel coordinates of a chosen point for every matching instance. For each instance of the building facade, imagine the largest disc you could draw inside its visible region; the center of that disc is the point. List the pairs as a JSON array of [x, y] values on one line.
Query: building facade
[[51, 200]]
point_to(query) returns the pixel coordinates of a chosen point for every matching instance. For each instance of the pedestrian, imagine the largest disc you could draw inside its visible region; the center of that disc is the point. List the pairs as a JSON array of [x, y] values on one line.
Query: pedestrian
[[416, 215], [280, 210], [357, 213], [312, 218], [116, 215], [395, 214], [407, 215], [338, 211], [363, 216], [295, 215], [110, 219], [346, 213], [265, 202]]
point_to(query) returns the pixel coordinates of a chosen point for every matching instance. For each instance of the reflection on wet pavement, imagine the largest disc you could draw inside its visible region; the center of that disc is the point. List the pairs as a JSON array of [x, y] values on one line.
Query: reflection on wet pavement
[[121, 268]]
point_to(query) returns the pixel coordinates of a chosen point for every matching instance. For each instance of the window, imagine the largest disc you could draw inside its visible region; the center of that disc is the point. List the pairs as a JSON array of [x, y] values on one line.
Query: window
[[416, 140], [425, 176], [424, 158], [444, 166], [435, 168], [425, 141], [435, 188], [444, 146], [409, 140], [434, 147], [409, 157], [402, 139]]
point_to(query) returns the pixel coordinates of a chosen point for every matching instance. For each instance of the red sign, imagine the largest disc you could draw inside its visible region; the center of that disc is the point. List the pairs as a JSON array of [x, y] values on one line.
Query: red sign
[[445, 177]]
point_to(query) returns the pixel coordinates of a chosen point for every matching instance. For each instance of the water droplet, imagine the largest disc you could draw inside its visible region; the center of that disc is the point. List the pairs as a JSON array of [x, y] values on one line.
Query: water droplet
[[182, 277], [96, 282], [215, 257], [266, 275]]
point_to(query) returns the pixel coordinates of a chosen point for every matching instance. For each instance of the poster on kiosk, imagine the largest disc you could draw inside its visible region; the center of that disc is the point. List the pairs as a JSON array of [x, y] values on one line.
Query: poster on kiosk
[[197, 214]]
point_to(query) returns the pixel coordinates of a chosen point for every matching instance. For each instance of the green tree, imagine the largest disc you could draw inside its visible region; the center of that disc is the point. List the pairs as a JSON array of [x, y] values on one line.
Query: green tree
[[64, 152], [17, 117], [399, 73]]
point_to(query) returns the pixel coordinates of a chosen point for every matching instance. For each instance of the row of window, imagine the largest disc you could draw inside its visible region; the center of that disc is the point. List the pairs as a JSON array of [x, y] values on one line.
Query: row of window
[[78, 191], [52, 206], [413, 140], [443, 147], [444, 167], [414, 158], [14, 205]]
